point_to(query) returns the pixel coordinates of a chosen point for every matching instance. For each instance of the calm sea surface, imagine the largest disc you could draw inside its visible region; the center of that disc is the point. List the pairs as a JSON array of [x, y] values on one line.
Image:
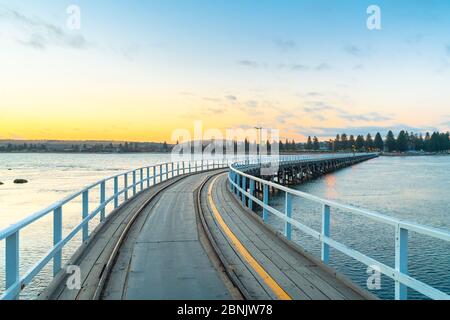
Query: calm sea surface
[[414, 188]]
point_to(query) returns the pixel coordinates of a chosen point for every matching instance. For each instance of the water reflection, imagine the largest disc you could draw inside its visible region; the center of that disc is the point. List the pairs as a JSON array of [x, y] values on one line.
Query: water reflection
[[330, 182]]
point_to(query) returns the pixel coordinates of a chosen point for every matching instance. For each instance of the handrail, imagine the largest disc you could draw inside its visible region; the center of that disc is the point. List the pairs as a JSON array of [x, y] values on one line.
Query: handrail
[[243, 184], [142, 181]]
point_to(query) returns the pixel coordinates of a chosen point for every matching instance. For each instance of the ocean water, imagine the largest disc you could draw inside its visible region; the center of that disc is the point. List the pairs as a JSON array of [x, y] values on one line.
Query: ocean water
[[414, 189], [410, 188], [51, 178]]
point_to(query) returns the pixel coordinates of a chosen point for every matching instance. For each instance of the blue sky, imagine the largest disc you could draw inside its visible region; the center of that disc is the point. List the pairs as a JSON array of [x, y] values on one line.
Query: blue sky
[[305, 67]]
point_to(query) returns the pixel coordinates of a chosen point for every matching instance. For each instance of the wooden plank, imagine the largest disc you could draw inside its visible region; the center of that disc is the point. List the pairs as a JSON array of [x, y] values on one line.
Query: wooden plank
[[312, 269], [92, 255], [267, 244], [290, 261], [255, 288], [148, 248], [96, 256], [265, 256]]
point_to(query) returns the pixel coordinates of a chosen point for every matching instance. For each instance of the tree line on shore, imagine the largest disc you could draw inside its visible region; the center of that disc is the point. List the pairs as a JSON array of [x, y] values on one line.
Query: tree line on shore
[[403, 142], [126, 147]]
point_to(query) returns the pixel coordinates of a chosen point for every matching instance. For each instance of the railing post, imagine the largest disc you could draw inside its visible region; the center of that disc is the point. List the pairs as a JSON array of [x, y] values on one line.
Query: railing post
[[148, 177], [184, 168], [243, 187], [238, 182], [154, 175], [167, 171], [141, 173], [57, 237], [178, 168], [325, 233], [116, 192], [266, 202], [401, 261], [252, 193], [85, 199], [102, 200], [189, 166], [134, 183], [12, 260], [160, 173], [288, 211], [125, 186]]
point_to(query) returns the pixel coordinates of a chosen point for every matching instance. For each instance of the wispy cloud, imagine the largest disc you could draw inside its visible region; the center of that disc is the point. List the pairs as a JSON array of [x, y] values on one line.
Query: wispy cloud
[[322, 67], [415, 39], [317, 108], [285, 45], [311, 94], [284, 116], [248, 63], [354, 50], [39, 34], [366, 117], [302, 67], [293, 67], [252, 104]]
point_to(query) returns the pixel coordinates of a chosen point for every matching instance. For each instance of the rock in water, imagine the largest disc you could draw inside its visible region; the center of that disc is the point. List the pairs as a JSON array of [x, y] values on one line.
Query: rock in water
[[1, 183], [20, 181]]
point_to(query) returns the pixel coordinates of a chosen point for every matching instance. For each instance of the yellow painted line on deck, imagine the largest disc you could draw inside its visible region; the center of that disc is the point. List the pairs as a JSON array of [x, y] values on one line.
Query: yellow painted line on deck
[[273, 285]]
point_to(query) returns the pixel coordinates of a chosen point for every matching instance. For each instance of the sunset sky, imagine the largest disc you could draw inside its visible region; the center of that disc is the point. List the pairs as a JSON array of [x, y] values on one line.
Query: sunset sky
[[138, 70]]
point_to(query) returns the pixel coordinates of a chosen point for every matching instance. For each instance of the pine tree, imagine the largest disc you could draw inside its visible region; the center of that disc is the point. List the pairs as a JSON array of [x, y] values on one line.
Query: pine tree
[[337, 143], [378, 143], [427, 144], [351, 143], [344, 142], [359, 143], [281, 146], [402, 141], [316, 144], [420, 143], [369, 142], [390, 141], [309, 144]]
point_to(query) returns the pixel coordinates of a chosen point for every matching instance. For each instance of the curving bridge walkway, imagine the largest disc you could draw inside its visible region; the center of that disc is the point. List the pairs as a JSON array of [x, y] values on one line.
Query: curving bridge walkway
[[190, 231], [192, 239]]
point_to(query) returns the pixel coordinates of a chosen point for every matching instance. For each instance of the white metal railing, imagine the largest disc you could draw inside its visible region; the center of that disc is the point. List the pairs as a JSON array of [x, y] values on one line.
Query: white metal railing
[[238, 183], [142, 179]]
